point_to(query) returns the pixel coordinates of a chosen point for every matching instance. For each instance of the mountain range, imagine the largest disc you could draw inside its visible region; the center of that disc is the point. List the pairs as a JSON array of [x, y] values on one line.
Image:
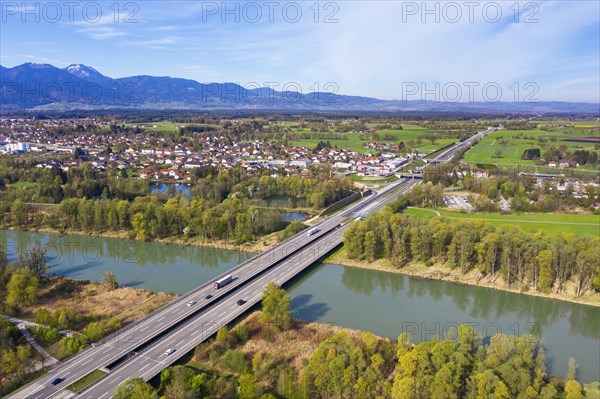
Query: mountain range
[[78, 87]]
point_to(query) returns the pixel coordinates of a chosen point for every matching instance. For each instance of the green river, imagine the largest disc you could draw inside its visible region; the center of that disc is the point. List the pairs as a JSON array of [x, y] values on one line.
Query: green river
[[384, 303]]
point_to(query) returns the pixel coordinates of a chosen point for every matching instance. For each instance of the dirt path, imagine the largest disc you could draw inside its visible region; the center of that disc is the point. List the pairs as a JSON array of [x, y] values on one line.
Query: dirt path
[[28, 323], [22, 325]]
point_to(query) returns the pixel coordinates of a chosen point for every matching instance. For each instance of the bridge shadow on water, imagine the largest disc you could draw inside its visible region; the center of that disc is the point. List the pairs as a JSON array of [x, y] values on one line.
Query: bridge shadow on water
[[75, 270], [302, 308]]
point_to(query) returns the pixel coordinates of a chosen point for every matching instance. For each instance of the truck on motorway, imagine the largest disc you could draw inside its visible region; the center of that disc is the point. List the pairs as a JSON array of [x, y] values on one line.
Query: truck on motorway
[[223, 282], [312, 231]]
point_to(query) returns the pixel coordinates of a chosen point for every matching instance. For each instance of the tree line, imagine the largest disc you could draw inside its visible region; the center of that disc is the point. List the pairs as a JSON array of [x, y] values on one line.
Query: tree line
[[219, 208], [533, 260], [53, 185], [147, 218], [462, 364]]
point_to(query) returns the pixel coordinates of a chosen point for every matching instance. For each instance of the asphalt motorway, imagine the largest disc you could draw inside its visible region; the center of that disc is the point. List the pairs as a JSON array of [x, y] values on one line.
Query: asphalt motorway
[[151, 361], [207, 315], [127, 340]]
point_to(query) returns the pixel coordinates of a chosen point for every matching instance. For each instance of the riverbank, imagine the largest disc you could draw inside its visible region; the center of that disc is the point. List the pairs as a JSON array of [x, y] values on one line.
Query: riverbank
[[440, 272], [260, 245], [93, 301], [414, 269], [309, 355]]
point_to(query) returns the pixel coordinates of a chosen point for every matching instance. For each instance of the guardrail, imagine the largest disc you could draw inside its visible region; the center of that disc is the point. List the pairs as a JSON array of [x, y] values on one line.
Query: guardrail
[[306, 263], [119, 362], [334, 207], [195, 290]]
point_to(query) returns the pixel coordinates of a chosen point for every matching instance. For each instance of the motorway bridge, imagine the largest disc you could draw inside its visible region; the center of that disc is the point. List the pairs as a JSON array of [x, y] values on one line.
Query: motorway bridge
[[139, 350]]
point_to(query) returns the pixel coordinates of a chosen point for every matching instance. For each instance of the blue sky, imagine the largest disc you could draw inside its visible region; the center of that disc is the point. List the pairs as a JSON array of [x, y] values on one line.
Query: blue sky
[[383, 49]]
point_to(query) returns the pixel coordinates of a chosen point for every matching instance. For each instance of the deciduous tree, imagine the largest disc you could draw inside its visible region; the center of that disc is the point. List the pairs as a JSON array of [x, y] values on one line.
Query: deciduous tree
[[276, 307]]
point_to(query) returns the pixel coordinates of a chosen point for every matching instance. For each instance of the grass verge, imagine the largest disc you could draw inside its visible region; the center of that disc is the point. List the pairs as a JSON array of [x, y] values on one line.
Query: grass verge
[[86, 381]]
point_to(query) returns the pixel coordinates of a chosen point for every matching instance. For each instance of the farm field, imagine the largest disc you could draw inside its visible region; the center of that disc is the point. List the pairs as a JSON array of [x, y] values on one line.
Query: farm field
[[578, 225], [167, 126], [581, 124], [505, 147], [164, 126], [355, 141]]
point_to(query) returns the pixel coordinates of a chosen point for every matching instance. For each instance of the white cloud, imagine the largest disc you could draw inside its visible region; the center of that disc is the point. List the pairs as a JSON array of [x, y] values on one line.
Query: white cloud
[[371, 49], [161, 43], [102, 32]]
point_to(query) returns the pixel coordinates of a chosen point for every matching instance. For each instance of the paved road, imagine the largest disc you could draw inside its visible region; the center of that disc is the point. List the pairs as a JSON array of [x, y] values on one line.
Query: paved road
[[143, 343], [149, 362], [128, 340], [447, 155]]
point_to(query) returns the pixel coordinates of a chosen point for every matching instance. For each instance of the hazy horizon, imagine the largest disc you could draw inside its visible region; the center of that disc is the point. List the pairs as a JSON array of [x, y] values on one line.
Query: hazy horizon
[[545, 51]]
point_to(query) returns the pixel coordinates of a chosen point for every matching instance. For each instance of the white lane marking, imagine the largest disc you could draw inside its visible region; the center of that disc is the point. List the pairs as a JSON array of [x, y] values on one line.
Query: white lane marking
[[148, 364], [291, 269], [83, 364], [149, 371]]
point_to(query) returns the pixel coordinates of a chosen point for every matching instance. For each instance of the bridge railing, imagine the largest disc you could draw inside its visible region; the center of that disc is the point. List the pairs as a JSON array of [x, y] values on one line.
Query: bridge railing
[[270, 252]]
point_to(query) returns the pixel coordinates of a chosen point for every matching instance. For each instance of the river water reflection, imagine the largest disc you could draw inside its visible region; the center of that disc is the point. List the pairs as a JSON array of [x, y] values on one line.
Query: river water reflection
[[384, 303]]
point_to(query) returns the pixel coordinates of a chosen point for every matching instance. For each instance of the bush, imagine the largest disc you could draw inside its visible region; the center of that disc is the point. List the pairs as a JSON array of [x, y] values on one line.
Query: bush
[[241, 333], [223, 336], [113, 324], [213, 356], [73, 344], [66, 287], [48, 335], [42, 316], [234, 360], [94, 331]]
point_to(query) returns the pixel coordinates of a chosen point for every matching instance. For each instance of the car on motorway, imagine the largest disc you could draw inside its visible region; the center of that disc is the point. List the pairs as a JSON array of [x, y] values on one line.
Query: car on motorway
[[170, 351], [57, 381], [191, 303], [208, 296], [312, 231], [240, 302]]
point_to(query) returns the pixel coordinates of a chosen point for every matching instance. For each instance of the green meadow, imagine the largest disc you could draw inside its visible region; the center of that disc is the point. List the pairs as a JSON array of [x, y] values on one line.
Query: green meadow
[[355, 141], [165, 126], [505, 147], [578, 225]]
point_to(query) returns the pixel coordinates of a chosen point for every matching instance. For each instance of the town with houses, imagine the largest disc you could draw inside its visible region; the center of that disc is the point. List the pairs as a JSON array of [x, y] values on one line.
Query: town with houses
[[264, 200], [174, 162], [164, 162]]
